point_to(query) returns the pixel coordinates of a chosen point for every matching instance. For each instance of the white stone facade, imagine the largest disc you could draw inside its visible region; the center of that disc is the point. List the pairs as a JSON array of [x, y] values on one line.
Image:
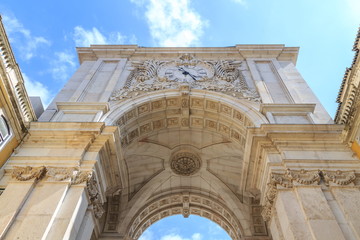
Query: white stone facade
[[138, 134]]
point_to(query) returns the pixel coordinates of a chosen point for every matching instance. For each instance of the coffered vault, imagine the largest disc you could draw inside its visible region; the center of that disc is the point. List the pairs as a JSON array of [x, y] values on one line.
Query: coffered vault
[[231, 134]]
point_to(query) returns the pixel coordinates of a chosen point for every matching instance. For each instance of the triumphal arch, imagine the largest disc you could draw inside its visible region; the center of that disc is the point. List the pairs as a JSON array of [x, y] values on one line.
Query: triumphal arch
[[232, 134]]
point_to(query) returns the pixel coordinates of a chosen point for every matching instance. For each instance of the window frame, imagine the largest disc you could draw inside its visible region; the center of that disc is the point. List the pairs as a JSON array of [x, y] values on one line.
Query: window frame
[[4, 138]]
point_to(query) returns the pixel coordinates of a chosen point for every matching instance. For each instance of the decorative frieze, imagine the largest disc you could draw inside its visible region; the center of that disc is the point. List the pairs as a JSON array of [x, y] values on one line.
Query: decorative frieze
[[52, 174]]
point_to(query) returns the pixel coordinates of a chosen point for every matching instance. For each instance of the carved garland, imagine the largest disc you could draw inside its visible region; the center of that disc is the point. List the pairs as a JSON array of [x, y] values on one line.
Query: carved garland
[[302, 177], [27, 173]]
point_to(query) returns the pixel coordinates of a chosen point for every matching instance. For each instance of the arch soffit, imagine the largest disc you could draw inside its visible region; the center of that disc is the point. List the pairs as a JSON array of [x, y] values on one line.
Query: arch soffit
[[213, 111]]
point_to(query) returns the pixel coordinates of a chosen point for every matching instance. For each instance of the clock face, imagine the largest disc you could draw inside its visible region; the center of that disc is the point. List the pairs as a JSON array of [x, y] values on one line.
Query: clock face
[[186, 73]]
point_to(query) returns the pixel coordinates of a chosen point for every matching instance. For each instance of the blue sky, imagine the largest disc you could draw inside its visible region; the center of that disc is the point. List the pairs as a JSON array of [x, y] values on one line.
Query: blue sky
[[44, 35], [179, 228]]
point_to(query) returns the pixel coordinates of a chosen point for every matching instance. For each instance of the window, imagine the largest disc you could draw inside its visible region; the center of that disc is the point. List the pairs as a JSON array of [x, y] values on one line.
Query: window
[[4, 130]]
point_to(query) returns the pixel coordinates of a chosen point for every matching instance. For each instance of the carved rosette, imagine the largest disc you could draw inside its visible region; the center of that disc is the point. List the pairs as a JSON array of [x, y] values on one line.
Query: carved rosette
[[339, 177], [185, 163], [27, 173]]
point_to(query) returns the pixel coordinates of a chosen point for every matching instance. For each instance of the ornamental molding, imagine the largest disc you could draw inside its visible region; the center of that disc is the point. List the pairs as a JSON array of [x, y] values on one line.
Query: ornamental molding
[[222, 76], [185, 163], [302, 177]]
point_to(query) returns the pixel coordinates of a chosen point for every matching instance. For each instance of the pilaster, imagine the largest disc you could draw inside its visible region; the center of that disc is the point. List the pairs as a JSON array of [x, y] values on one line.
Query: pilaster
[[64, 197]]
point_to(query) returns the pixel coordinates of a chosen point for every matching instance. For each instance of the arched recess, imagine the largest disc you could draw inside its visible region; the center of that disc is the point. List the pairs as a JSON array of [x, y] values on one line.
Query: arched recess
[[185, 204], [184, 108], [181, 110]]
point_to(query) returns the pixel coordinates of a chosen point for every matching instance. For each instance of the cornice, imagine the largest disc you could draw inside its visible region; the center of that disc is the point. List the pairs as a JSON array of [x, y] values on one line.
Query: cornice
[[349, 89], [19, 101], [278, 51]]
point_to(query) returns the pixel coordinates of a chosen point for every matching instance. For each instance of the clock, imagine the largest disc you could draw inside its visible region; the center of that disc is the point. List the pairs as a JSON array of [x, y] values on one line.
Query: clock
[[186, 73]]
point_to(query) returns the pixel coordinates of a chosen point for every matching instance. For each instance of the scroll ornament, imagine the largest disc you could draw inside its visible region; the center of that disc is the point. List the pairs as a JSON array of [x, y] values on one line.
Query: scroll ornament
[[94, 195]]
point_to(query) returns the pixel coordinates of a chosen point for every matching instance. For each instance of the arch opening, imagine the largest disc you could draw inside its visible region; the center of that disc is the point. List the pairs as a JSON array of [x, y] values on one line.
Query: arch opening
[[185, 204], [192, 228]]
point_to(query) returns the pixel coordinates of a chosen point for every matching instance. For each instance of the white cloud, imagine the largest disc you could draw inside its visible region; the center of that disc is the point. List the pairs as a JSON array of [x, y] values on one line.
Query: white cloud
[[35, 88], [242, 2], [173, 23], [62, 65], [84, 38], [148, 235], [353, 8], [22, 38], [196, 236]]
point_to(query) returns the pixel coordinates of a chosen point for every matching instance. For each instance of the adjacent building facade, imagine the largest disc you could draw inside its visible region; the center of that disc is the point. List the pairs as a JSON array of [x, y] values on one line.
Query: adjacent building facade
[[232, 134], [15, 108]]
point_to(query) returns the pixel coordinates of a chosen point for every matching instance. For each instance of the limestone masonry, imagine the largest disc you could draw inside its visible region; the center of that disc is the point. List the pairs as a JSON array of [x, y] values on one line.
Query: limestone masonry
[[232, 134]]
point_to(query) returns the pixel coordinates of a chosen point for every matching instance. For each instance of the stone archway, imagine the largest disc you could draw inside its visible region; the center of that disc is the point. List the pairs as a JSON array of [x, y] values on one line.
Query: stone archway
[[205, 130], [185, 204]]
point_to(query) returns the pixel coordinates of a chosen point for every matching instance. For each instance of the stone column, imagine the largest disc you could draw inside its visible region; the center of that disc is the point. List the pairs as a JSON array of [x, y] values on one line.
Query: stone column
[[347, 197], [50, 203], [296, 207], [16, 194]]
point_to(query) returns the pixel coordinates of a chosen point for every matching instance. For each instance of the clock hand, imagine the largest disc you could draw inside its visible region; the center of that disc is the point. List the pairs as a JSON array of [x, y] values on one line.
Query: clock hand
[[192, 76], [187, 73]]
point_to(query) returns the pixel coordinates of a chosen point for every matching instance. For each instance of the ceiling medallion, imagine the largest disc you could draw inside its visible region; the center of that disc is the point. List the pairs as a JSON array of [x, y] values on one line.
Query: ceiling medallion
[[185, 163]]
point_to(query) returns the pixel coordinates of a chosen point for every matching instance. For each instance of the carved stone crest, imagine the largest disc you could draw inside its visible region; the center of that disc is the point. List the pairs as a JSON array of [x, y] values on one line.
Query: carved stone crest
[[222, 76], [185, 163]]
